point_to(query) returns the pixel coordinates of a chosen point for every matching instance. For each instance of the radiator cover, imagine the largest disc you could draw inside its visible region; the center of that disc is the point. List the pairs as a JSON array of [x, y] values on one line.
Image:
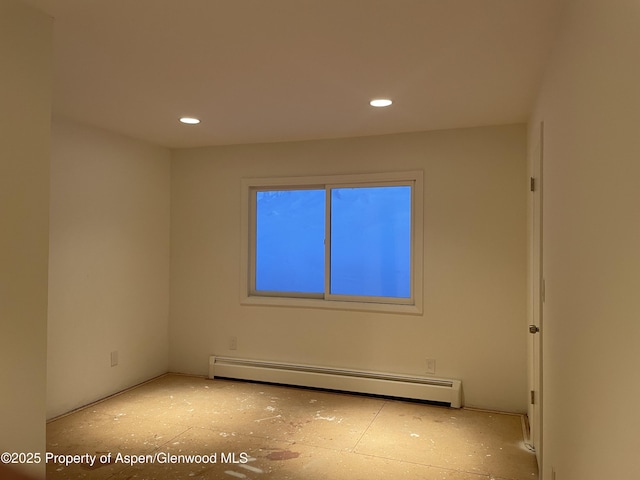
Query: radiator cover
[[360, 381]]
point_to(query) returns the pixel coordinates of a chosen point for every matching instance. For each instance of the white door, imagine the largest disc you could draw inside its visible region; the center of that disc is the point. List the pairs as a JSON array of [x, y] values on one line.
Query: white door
[[537, 299]]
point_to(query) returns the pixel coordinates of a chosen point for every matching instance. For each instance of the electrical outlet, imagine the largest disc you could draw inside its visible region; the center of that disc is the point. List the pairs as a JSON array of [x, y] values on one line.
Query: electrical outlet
[[233, 343], [431, 365], [114, 358]]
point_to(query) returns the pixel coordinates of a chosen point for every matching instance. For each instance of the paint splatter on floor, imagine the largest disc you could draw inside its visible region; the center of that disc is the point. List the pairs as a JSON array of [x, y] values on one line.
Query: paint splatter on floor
[[283, 455], [235, 474]]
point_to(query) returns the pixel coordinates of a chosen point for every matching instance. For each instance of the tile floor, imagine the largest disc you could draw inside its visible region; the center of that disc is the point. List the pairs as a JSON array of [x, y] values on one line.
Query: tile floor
[[192, 428]]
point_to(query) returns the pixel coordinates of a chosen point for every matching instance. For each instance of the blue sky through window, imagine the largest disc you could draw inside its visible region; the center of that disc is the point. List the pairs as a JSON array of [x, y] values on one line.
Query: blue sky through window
[[290, 241], [370, 241]]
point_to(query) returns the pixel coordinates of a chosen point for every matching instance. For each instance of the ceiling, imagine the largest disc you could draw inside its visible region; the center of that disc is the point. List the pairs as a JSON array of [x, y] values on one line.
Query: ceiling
[[283, 70]]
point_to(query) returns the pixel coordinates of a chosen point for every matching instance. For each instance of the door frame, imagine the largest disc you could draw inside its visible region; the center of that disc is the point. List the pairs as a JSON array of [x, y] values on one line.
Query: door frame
[[535, 340]]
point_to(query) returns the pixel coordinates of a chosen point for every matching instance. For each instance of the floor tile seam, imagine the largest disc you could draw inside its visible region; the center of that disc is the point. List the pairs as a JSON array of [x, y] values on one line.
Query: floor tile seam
[[243, 434], [218, 428], [364, 432], [171, 439], [428, 465], [279, 440], [317, 447], [484, 473], [152, 450], [488, 410]]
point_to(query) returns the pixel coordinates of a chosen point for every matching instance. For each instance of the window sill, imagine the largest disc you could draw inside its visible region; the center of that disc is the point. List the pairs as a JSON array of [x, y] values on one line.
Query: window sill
[[330, 305]]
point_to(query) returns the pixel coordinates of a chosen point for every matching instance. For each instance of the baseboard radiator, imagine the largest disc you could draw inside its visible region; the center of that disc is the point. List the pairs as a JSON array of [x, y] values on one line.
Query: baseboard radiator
[[376, 383]]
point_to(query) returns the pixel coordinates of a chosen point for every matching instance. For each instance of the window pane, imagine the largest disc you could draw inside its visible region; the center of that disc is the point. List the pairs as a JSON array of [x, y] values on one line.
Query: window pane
[[371, 241], [290, 241]]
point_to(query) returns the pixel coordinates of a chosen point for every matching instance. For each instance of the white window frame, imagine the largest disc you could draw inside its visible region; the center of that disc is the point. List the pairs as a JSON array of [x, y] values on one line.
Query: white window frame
[[248, 295]]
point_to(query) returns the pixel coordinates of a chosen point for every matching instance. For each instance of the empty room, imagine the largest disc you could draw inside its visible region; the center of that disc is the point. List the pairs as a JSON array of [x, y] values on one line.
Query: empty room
[[271, 239]]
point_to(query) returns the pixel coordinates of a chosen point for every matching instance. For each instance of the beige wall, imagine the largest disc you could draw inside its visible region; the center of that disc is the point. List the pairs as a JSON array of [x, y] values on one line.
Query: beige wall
[[474, 321], [590, 103], [109, 264], [25, 110]]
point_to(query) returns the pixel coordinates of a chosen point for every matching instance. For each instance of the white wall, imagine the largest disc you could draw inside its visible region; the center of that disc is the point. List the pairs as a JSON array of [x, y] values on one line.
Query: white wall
[[109, 264], [474, 321], [25, 111], [590, 103]]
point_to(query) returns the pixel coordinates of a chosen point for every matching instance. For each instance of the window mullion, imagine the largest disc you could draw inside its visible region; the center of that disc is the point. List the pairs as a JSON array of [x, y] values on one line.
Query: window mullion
[[253, 228], [327, 242]]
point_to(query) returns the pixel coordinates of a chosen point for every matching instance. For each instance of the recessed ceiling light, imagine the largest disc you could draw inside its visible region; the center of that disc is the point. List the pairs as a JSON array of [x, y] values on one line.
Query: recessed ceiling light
[[190, 120], [380, 102]]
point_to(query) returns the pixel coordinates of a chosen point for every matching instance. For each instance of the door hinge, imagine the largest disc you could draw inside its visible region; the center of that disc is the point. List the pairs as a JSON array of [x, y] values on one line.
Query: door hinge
[[532, 184], [533, 397]]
